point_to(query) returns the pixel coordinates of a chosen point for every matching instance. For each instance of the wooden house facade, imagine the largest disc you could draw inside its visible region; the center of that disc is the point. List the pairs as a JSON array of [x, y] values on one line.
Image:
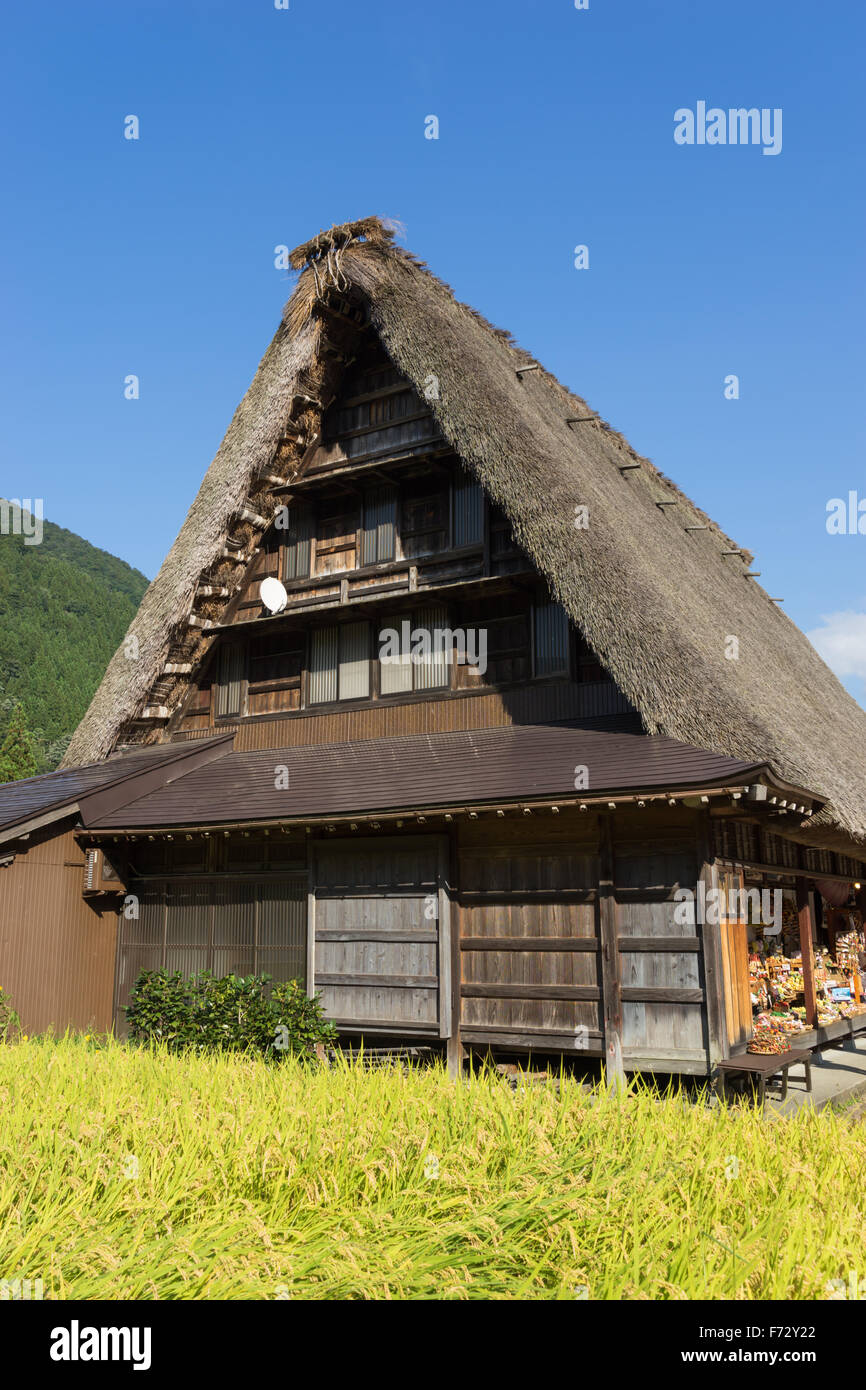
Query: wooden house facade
[[462, 660]]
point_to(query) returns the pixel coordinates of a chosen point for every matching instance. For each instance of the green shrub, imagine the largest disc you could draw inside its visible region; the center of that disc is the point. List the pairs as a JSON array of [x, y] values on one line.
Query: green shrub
[[236, 1013], [9, 1020]]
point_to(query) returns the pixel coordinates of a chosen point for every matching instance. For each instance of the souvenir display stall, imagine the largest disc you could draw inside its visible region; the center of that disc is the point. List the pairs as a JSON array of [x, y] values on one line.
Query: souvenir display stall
[[777, 985]]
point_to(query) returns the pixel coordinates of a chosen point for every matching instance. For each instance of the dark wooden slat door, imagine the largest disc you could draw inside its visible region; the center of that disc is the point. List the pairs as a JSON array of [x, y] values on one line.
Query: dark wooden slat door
[[529, 940], [380, 932]]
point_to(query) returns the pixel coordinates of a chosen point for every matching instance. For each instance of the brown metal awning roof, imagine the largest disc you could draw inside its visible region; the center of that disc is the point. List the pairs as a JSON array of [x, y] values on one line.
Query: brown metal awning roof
[[423, 771], [38, 800]]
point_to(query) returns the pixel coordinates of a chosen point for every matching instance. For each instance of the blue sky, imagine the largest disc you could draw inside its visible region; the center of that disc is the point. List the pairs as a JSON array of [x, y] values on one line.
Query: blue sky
[[258, 126]]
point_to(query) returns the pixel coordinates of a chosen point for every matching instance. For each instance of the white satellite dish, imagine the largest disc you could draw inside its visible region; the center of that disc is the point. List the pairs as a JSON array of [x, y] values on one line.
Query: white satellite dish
[[273, 595]]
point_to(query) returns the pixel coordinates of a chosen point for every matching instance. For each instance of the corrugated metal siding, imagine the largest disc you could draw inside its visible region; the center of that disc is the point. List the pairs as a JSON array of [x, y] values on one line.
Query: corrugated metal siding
[[140, 945], [282, 929], [56, 951], [468, 513], [234, 921]]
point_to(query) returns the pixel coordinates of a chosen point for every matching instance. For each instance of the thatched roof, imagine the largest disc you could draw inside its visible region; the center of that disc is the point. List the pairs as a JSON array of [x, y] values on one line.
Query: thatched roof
[[658, 602]]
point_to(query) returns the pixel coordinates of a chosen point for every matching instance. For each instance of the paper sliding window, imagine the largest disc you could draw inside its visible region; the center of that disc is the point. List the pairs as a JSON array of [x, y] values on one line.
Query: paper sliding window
[[550, 629], [340, 663], [415, 652]]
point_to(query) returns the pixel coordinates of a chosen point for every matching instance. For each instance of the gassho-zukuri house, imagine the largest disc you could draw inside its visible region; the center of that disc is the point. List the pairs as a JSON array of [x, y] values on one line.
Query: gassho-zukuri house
[[434, 705]]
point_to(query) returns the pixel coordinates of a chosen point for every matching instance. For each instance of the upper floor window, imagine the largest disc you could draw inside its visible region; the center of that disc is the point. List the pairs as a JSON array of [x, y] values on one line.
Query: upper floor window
[[468, 512], [298, 535], [415, 652], [426, 516], [231, 661], [340, 663], [379, 528], [424, 519], [550, 640]]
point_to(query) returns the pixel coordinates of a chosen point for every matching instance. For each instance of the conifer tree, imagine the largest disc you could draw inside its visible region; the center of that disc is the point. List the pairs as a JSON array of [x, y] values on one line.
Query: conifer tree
[[17, 754]]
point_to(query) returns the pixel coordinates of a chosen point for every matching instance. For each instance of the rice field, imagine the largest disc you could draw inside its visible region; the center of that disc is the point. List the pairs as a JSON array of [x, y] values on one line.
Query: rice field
[[134, 1174]]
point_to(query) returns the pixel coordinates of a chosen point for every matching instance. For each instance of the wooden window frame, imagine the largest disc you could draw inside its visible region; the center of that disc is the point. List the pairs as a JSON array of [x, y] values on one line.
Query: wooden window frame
[[364, 529], [223, 716], [567, 671], [272, 684], [415, 692], [320, 546], [458, 482], [403, 534], [339, 703], [443, 486], [310, 513]]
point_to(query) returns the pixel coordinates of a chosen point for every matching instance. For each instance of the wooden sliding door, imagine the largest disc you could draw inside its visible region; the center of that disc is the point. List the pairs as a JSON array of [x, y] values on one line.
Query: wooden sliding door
[[734, 933]]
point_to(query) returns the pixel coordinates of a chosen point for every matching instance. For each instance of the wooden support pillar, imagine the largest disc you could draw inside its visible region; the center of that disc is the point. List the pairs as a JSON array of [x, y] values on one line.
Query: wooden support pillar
[[804, 914], [311, 917], [454, 1046], [710, 933], [611, 983]]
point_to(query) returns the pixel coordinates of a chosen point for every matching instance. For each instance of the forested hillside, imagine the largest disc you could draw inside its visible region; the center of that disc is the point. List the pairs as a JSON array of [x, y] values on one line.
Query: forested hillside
[[64, 607]]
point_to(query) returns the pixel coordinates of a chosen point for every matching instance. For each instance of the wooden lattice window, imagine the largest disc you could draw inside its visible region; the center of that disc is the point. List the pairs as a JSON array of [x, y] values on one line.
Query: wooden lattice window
[[424, 521]]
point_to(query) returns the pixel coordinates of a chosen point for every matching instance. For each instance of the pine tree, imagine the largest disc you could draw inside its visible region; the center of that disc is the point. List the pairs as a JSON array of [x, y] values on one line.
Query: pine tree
[[17, 754]]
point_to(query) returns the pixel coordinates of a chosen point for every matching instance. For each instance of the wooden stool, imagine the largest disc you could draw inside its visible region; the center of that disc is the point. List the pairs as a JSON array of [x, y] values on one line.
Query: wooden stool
[[763, 1067]]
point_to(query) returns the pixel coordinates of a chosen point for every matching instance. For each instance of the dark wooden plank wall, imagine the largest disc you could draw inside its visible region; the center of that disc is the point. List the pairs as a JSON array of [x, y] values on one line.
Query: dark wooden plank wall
[[537, 887], [377, 933], [533, 899], [527, 912], [661, 960]]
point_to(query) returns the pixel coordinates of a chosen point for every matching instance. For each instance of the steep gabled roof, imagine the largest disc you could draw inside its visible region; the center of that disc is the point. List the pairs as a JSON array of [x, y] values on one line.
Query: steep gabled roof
[[657, 599]]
